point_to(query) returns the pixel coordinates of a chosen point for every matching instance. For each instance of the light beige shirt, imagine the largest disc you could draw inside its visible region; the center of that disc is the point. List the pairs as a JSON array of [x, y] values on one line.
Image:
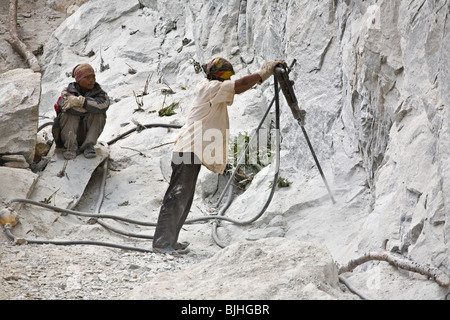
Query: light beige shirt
[[206, 130]]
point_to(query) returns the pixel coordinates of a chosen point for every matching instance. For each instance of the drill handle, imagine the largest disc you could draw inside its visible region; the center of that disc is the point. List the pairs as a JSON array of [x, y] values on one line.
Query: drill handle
[[282, 75]]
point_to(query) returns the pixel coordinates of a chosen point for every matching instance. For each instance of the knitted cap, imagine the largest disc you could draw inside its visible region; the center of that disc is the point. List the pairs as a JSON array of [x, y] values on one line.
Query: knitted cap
[[218, 69], [81, 71]]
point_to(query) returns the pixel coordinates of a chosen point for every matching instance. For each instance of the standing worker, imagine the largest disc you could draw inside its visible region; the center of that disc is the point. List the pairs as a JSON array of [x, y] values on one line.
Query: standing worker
[[81, 114], [202, 141]]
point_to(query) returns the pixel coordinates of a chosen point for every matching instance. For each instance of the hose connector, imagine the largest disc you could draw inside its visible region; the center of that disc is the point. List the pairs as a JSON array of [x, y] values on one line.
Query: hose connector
[[8, 216]]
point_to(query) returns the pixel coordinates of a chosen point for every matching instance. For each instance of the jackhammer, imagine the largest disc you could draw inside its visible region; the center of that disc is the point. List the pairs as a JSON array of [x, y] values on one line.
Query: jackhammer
[[282, 76]]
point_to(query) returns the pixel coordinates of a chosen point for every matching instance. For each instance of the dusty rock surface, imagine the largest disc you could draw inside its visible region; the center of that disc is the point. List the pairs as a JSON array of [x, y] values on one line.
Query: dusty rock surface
[[36, 21], [42, 272], [271, 268]]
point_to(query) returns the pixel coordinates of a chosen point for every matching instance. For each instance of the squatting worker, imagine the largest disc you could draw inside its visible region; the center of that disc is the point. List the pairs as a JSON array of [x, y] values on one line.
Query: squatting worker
[[203, 140], [81, 114]]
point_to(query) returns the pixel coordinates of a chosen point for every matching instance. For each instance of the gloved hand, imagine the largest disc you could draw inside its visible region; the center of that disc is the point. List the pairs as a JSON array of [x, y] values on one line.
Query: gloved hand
[[71, 101], [267, 70]]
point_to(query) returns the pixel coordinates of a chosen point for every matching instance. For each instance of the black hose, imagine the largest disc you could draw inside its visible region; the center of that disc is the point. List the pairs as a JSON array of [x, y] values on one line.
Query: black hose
[[114, 217], [140, 127], [124, 233], [66, 243], [82, 214], [277, 167], [99, 203], [276, 99], [145, 126], [188, 221], [42, 126]]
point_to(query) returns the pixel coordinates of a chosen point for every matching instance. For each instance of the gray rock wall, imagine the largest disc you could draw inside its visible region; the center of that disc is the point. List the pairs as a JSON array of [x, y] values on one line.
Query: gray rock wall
[[373, 77]]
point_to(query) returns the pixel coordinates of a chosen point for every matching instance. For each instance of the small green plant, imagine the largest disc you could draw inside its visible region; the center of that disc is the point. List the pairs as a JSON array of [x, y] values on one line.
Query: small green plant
[[49, 199], [169, 110], [255, 159], [281, 183]]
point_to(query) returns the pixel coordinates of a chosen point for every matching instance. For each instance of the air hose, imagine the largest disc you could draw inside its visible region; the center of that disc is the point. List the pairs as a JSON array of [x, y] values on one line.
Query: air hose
[[141, 127], [275, 179], [220, 216], [276, 99], [76, 242], [97, 216]]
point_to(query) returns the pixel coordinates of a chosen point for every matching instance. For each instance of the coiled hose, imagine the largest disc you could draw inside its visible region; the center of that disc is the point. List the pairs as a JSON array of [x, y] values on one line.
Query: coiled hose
[[275, 178], [220, 216], [216, 218], [98, 216]]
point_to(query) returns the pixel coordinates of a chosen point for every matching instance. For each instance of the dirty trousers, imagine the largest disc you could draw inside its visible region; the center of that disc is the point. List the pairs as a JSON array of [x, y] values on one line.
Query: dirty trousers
[[81, 131], [177, 200]]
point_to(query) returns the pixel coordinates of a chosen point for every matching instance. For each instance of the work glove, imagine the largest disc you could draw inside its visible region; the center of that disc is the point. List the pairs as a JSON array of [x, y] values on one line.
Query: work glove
[[267, 70], [74, 102]]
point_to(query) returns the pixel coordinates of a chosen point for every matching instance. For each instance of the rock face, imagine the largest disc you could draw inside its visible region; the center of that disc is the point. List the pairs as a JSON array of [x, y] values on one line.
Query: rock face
[[373, 76], [394, 94], [19, 113]]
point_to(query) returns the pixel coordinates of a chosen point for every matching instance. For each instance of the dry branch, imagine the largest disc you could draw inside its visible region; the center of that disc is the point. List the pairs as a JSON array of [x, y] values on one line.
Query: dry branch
[[15, 41], [437, 275]]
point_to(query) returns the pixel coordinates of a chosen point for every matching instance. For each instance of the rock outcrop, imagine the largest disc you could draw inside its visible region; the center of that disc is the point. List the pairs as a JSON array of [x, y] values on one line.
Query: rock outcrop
[[271, 268], [19, 112]]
